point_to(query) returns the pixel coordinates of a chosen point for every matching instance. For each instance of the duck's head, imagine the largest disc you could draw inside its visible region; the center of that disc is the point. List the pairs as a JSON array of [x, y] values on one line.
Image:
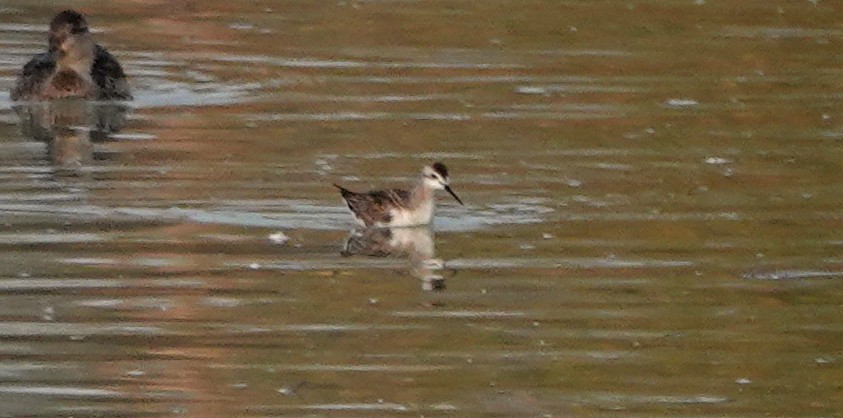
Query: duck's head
[[70, 40]]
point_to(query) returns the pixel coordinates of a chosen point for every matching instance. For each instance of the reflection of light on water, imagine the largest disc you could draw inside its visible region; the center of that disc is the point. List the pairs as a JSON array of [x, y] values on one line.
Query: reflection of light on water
[[239, 329], [415, 244], [662, 399], [355, 116], [37, 284], [76, 392], [791, 274], [323, 63], [566, 262], [290, 215], [136, 136], [47, 238], [778, 32], [172, 94], [25, 329], [380, 406], [459, 314]]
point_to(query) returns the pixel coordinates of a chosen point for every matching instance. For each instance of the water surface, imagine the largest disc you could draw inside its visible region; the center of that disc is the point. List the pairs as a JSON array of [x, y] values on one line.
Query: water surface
[[652, 224]]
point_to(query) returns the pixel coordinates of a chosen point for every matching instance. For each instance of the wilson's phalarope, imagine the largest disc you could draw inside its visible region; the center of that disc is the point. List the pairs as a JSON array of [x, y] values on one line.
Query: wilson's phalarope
[[396, 207]]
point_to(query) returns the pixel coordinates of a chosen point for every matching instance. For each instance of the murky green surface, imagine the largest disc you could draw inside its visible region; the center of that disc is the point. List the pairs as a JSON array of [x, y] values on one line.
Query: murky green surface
[[652, 228]]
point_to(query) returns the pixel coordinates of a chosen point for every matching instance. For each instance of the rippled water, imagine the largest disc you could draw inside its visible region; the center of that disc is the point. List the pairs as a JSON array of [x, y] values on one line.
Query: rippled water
[[652, 187]]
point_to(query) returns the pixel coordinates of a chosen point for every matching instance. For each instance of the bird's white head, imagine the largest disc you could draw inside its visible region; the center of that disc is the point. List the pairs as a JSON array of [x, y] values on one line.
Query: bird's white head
[[435, 177]]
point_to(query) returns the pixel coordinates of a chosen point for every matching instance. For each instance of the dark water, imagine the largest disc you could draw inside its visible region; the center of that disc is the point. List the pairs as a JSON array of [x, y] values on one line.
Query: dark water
[[652, 224]]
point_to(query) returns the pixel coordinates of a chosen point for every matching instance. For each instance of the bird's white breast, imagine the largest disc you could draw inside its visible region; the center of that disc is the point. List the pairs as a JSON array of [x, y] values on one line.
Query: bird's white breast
[[420, 215]]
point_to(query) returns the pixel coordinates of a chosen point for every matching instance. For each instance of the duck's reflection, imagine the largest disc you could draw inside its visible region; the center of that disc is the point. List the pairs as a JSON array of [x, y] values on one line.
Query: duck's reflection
[[70, 127], [415, 244]]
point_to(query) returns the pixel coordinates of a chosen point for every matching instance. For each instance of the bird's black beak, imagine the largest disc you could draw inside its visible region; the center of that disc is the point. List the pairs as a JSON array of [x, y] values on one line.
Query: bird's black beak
[[448, 189]]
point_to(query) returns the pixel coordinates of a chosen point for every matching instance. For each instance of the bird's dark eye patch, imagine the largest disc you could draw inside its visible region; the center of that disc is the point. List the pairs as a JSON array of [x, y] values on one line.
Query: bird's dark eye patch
[[78, 29]]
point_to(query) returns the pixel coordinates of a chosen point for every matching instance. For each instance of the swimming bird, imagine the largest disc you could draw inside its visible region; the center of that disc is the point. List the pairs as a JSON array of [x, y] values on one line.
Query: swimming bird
[[396, 207], [73, 66]]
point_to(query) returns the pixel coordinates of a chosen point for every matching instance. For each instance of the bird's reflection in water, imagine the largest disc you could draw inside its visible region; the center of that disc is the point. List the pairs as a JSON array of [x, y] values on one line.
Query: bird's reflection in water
[[69, 128], [415, 244]]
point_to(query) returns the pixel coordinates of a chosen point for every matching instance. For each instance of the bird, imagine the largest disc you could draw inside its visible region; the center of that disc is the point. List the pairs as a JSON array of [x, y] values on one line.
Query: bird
[[73, 66], [397, 207]]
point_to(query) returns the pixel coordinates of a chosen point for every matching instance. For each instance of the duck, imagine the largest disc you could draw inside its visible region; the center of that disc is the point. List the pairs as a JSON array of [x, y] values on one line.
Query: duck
[[73, 66]]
